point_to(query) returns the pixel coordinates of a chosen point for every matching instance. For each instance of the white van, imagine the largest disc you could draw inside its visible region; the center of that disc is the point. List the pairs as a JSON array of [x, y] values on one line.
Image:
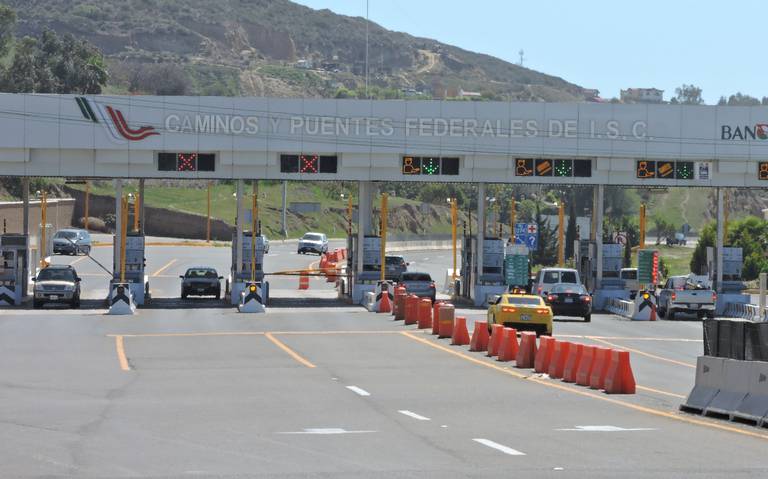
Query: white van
[[629, 276], [548, 277]]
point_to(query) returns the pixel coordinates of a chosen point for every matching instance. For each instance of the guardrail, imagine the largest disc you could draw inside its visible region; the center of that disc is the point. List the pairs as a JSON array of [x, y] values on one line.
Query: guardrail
[[620, 307], [746, 311]]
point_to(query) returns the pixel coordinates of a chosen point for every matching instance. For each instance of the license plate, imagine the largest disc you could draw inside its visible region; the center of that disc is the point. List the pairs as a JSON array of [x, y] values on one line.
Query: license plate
[[525, 317], [200, 290], [54, 297], [569, 300], [694, 306]]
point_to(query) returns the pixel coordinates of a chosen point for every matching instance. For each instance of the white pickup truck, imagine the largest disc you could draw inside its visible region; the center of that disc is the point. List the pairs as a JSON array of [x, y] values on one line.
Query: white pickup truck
[[690, 294]]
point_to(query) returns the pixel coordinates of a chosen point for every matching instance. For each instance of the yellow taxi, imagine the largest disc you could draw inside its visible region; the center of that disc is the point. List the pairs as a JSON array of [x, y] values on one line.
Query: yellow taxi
[[524, 312]]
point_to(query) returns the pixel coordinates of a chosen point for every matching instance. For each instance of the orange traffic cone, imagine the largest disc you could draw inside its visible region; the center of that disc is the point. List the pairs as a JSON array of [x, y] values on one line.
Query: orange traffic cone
[[385, 306], [445, 320], [544, 357], [575, 355], [460, 335], [436, 316], [619, 378], [600, 365], [425, 313], [585, 366], [526, 354], [508, 349], [557, 366], [495, 342], [303, 280], [480, 337]]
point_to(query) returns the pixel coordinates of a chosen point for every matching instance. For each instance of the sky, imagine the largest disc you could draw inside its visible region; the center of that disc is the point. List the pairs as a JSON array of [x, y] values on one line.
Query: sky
[[608, 45]]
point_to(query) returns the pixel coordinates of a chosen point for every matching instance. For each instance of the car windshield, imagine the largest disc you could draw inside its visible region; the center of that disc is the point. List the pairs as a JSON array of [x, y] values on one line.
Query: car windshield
[[395, 260], [66, 234], [201, 273], [415, 277], [56, 274], [523, 301], [312, 237], [569, 288], [568, 277]]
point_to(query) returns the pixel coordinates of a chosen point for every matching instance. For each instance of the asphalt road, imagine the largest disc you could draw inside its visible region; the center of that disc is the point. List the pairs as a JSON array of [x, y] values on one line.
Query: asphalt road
[[329, 390]]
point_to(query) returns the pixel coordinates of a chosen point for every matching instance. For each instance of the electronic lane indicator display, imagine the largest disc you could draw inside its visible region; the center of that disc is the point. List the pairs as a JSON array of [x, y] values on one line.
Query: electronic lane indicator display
[[646, 169], [309, 163], [762, 170], [563, 168], [684, 170], [543, 167], [524, 167], [665, 169], [430, 165], [186, 162]]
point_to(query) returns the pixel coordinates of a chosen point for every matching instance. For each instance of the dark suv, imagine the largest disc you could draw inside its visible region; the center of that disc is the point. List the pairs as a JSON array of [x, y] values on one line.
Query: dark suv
[[57, 284], [201, 281]]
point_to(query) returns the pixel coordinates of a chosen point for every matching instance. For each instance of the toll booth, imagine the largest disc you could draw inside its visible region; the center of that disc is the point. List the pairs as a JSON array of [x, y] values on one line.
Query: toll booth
[[365, 281], [467, 267], [492, 281], [135, 264], [14, 269], [611, 285], [731, 290], [240, 280]]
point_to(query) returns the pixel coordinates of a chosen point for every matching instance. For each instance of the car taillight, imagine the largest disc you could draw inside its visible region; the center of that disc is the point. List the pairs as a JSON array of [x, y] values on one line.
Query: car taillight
[[674, 296], [714, 297], [550, 298], [539, 290], [542, 311], [432, 285], [586, 299], [507, 309]]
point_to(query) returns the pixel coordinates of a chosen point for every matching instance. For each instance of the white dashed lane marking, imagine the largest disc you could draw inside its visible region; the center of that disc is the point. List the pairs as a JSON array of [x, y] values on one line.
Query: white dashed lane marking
[[359, 391], [499, 447]]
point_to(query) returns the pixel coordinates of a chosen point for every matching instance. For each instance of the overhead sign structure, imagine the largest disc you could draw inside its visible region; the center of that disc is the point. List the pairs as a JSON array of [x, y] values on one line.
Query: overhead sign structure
[[379, 140]]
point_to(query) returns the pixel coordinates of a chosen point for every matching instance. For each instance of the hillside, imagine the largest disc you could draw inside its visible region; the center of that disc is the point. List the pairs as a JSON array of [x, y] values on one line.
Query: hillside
[[279, 48]]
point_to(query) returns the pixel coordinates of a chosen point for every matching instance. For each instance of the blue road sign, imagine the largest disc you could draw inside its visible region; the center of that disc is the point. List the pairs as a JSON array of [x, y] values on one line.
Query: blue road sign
[[521, 228], [531, 240]]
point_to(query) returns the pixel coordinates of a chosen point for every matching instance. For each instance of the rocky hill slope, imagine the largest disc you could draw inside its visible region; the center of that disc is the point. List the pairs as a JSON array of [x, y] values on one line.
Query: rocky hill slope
[[279, 48]]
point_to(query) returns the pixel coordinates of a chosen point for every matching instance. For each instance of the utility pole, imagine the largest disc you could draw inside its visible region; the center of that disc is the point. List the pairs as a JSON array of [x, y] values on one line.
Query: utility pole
[[87, 203], [208, 223], [383, 233]]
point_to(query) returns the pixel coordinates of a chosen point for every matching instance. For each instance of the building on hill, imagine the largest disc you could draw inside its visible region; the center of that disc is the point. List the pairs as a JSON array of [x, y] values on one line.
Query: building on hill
[[642, 95]]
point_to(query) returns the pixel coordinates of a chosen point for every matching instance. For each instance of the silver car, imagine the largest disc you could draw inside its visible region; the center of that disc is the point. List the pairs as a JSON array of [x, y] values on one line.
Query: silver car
[[420, 284], [313, 243], [57, 284], [71, 241]]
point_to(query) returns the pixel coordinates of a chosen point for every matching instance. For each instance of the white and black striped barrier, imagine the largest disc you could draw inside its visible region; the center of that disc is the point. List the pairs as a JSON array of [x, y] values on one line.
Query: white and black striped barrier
[[121, 299], [251, 299], [750, 312], [9, 296]]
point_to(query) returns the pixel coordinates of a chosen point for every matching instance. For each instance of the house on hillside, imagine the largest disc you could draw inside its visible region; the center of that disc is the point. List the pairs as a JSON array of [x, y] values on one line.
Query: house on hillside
[[642, 95]]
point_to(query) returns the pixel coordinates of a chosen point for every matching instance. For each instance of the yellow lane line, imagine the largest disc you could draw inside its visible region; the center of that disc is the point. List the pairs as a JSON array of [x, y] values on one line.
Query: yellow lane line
[[121, 358], [288, 350], [629, 338], [252, 333], [168, 265], [643, 353], [585, 393], [659, 391]]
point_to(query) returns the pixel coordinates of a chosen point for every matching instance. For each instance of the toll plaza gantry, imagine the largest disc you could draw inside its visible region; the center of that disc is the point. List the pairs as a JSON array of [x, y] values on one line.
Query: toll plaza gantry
[[366, 141]]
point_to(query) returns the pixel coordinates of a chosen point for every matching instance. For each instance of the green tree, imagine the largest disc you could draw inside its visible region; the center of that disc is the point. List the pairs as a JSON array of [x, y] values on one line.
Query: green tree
[[750, 234], [7, 25], [664, 228], [546, 254], [688, 95]]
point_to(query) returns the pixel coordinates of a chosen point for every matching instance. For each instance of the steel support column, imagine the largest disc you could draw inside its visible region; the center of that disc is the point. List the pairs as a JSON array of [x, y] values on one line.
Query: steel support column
[[118, 227], [239, 225], [598, 227], [480, 230], [719, 241]]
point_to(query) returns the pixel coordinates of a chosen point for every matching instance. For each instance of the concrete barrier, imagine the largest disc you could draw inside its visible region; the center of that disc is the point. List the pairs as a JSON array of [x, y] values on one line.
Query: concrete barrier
[[754, 407], [734, 387], [369, 301], [709, 379], [620, 307]]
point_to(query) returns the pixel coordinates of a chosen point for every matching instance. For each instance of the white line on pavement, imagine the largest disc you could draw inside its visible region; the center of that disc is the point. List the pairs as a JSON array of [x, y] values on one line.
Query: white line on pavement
[[499, 447], [326, 431], [413, 415], [357, 390]]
